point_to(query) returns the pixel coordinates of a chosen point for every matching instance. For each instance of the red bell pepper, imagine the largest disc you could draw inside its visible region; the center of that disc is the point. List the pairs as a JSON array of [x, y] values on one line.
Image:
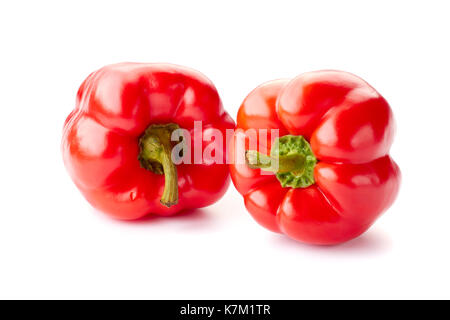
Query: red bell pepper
[[334, 176], [116, 143]]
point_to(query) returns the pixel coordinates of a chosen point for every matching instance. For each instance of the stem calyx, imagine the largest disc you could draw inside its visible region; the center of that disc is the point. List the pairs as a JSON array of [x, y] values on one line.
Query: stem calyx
[[291, 159], [155, 151]]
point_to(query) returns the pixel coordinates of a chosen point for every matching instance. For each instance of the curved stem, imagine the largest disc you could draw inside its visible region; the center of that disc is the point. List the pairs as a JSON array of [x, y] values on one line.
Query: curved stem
[[155, 155], [170, 193]]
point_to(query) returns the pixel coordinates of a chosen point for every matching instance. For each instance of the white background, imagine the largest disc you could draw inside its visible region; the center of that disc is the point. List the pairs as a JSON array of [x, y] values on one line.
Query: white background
[[54, 245]]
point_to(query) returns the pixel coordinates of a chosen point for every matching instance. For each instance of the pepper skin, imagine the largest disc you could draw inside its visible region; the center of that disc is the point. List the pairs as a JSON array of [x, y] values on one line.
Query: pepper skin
[[353, 180], [115, 142]]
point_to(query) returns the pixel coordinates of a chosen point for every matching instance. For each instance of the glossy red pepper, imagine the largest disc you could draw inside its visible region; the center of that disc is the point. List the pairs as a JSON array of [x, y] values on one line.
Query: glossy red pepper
[[334, 176], [116, 143]]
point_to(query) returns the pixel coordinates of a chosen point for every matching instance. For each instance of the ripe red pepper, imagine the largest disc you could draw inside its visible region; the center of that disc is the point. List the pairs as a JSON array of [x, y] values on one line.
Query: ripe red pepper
[[116, 143], [334, 175]]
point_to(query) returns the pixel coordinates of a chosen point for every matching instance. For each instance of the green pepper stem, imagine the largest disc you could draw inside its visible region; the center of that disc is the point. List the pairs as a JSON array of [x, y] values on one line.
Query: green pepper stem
[[170, 193], [291, 159], [155, 155], [281, 164]]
